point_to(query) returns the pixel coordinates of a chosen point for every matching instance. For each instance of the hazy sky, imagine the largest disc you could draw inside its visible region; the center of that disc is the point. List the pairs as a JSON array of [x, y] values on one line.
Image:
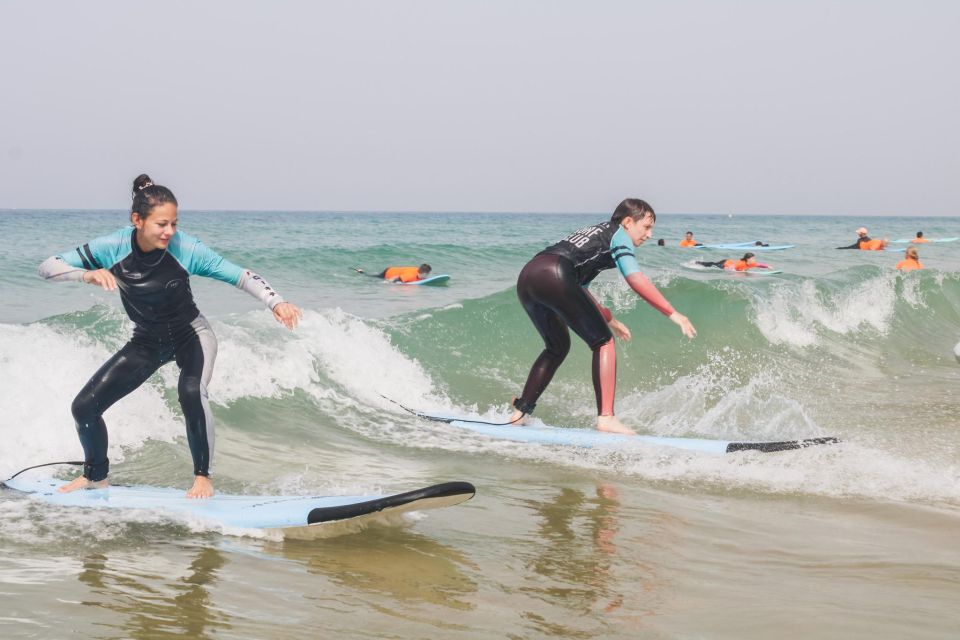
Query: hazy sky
[[762, 106]]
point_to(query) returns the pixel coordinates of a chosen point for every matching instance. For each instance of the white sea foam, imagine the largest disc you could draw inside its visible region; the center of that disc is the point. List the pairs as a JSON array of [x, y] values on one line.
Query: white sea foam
[[712, 402], [796, 314], [41, 370]]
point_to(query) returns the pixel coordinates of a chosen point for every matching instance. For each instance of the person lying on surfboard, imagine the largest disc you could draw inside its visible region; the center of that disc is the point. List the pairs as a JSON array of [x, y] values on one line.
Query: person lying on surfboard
[[402, 274], [748, 261], [865, 243], [151, 263], [919, 239], [552, 288]]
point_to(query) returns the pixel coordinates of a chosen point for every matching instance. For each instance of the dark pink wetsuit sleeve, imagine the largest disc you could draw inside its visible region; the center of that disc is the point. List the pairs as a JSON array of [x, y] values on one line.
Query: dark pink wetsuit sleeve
[[646, 290]]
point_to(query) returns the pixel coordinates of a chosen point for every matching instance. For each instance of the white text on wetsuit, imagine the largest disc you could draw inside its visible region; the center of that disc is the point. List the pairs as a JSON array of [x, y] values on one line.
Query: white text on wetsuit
[[580, 237]]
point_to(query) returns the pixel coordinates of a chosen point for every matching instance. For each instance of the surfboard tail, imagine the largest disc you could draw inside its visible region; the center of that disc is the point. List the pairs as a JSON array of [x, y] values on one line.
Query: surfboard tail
[[786, 445]]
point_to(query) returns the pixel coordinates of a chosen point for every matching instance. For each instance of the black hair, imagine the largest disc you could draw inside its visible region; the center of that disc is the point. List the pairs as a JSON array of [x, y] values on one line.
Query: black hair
[[147, 195], [425, 268], [688, 233], [919, 234], [661, 243], [747, 256], [633, 208]]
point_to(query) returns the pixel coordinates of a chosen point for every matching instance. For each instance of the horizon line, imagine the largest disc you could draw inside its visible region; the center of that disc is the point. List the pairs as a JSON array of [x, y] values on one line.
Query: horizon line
[[434, 212]]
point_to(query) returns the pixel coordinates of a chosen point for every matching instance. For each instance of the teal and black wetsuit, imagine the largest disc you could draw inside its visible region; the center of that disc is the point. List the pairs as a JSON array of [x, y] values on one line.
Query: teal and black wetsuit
[[552, 290], [155, 291]]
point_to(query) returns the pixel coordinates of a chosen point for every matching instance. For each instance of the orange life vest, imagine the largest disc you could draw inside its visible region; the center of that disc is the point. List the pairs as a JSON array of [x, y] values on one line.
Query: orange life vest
[[873, 245], [737, 265], [688, 243], [909, 264], [404, 274], [919, 240]]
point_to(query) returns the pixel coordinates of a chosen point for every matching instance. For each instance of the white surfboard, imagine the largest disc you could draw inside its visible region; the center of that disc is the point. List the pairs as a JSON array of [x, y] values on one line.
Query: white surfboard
[[293, 516]]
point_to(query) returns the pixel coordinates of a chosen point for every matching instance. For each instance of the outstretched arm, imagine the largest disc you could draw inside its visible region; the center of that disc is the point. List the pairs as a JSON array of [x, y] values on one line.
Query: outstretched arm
[[199, 259], [648, 291], [89, 262], [57, 269], [626, 260]]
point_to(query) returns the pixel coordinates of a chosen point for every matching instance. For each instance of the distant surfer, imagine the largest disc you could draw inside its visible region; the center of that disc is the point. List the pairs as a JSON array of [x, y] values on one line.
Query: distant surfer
[[911, 261], [688, 240], [865, 243], [552, 288], [150, 264], [919, 239], [747, 262], [402, 274]]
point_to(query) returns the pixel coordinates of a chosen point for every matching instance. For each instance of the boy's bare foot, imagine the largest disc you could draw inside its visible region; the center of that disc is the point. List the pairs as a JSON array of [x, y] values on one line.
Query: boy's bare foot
[[83, 483], [612, 424], [202, 488], [519, 419]]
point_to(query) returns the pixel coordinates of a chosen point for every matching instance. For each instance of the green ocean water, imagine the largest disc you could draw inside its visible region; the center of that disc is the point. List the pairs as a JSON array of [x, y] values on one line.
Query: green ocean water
[[558, 542]]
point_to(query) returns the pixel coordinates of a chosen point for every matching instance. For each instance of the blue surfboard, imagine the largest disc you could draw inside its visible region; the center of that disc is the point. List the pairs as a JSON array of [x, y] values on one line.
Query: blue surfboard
[[746, 246], [430, 282], [293, 516], [730, 272], [905, 241], [591, 438]]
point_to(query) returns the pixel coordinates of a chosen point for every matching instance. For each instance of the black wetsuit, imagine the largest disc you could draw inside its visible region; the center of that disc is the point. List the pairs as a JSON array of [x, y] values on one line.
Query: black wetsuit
[[856, 245], [155, 291], [552, 290]]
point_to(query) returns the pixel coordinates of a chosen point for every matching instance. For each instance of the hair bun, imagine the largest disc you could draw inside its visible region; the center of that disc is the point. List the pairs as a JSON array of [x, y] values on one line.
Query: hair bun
[[141, 182]]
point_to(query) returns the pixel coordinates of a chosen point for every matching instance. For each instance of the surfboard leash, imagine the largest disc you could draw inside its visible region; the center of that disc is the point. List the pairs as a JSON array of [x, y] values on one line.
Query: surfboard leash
[[426, 416], [45, 464]]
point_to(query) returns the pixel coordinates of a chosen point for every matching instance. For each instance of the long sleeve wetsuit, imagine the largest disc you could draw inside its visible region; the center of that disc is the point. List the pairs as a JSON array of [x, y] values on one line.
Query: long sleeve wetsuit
[[552, 290], [856, 245], [155, 292]]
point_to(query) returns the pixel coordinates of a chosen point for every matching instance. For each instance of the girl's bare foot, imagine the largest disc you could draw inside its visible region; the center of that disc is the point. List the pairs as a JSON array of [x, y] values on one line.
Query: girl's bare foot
[[83, 483], [202, 488], [612, 424]]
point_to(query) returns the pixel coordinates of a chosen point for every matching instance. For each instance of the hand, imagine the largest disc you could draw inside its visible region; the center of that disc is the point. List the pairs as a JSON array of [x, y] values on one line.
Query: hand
[[101, 278], [684, 323], [619, 329], [287, 314]]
